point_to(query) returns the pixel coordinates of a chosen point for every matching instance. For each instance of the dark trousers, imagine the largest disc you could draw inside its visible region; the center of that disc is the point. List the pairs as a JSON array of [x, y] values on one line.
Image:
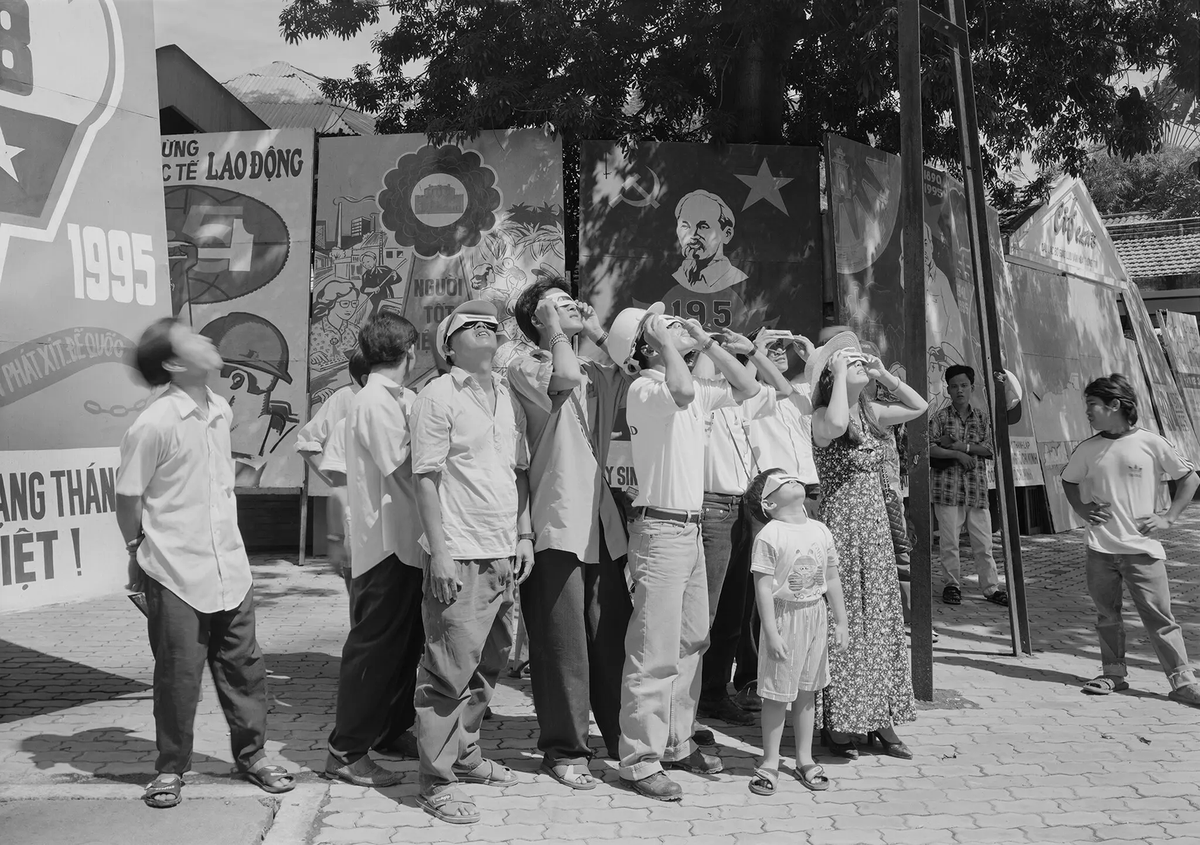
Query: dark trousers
[[466, 649], [183, 640], [725, 533], [576, 615], [379, 660], [747, 644]]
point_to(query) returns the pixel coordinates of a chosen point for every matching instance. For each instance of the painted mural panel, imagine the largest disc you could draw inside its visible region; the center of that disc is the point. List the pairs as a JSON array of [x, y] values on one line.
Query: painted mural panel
[[239, 220], [82, 272]]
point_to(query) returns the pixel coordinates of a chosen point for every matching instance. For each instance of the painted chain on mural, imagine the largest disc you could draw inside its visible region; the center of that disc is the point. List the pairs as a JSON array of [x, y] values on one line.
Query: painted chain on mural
[[406, 226], [82, 272], [239, 214]]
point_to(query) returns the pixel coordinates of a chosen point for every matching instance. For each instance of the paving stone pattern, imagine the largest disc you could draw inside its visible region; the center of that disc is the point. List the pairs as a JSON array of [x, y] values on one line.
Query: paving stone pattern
[[1010, 752]]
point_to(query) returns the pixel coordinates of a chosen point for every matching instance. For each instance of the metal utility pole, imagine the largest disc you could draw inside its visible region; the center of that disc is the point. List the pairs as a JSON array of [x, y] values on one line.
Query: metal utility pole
[[951, 29]]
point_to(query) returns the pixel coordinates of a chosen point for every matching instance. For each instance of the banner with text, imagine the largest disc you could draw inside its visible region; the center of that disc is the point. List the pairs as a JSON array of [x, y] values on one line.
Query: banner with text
[[239, 227], [82, 272]]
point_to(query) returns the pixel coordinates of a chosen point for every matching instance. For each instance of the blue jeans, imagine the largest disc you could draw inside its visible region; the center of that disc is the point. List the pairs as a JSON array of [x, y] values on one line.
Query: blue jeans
[[1146, 578], [727, 562], [667, 634]]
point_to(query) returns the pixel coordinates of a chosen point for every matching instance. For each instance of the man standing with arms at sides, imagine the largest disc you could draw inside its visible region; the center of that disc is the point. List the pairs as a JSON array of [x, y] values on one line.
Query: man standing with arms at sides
[[729, 467], [1112, 481], [668, 631], [961, 435], [379, 659], [575, 602], [470, 460], [178, 514]]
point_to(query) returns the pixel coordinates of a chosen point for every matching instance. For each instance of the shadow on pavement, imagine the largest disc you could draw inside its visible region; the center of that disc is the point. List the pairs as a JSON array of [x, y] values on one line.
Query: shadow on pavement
[[34, 683], [91, 750]]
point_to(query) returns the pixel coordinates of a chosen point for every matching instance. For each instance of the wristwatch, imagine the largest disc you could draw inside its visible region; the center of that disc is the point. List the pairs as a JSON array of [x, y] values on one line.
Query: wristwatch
[[528, 537]]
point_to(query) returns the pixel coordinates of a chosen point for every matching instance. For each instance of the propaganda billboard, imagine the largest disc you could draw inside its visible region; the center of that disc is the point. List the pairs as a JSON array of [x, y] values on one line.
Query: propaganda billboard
[[730, 236], [416, 228], [239, 229], [82, 272]]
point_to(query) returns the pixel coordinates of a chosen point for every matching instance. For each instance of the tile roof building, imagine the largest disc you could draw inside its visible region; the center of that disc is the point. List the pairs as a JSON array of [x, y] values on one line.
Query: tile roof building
[[1162, 257]]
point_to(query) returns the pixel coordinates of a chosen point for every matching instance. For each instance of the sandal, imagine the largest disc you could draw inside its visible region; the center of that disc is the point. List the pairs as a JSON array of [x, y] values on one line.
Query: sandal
[[163, 785], [951, 595], [442, 806], [505, 775], [1105, 685], [999, 597], [813, 777], [763, 781], [269, 778], [567, 775]]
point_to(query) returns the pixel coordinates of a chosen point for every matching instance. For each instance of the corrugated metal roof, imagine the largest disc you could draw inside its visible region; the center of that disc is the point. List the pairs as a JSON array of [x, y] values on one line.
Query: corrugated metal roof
[[283, 96]]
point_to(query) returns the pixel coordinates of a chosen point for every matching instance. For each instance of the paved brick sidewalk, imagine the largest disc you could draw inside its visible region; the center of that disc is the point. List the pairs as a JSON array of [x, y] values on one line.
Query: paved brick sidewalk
[[1022, 757]]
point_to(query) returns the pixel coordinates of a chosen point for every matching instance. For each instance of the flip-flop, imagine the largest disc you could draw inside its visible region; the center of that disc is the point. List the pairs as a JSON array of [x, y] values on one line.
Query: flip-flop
[[763, 781], [1105, 685], [506, 775], [813, 777], [269, 778], [436, 806], [569, 772], [164, 784]]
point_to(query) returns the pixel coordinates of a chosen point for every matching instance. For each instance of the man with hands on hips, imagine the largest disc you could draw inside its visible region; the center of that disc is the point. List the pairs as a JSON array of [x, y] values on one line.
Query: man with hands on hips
[[470, 459]]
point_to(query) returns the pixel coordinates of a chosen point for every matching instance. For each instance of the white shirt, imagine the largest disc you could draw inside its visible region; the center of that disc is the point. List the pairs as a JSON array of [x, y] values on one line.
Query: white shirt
[[177, 459], [795, 555], [316, 432], [728, 459], [382, 510], [781, 436], [668, 441], [1125, 472], [333, 456], [477, 450]]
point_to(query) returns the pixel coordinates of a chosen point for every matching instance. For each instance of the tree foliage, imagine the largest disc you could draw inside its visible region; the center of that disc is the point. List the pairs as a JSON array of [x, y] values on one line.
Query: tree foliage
[[770, 71], [1162, 183]]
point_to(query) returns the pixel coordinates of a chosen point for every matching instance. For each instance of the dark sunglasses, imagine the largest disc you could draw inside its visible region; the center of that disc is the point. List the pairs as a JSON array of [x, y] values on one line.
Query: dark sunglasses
[[474, 324]]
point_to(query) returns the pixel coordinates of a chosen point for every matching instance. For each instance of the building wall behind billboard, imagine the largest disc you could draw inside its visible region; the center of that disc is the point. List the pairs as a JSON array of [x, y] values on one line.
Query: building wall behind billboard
[[82, 271]]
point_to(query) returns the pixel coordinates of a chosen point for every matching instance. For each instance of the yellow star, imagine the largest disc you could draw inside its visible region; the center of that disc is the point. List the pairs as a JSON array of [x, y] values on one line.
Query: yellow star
[[764, 186], [7, 153]]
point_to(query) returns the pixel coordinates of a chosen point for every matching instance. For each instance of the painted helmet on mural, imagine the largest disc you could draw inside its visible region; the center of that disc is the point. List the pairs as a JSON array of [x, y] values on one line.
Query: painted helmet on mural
[[249, 341], [624, 332]]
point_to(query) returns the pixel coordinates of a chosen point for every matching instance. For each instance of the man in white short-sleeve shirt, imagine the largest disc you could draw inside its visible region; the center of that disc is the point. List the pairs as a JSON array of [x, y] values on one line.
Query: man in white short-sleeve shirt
[[1111, 481], [377, 676], [667, 411], [177, 512], [470, 458]]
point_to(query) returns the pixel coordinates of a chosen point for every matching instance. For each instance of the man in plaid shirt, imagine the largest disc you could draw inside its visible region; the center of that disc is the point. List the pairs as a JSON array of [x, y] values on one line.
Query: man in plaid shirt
[[960, 435]]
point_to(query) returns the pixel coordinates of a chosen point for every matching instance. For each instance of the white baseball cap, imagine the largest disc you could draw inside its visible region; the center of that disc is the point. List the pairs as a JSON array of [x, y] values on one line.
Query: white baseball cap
[[624, 331], [471, 311]]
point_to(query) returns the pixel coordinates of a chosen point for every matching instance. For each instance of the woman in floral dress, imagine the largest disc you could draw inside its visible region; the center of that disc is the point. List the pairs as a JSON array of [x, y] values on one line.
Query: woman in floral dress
[[870, 691]]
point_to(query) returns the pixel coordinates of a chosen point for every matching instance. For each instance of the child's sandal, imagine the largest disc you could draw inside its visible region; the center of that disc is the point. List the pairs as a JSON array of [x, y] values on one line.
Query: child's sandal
[[763, 781]]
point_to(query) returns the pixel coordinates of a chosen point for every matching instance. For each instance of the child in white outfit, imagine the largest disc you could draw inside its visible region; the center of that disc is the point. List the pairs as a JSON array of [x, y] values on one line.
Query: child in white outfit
[[795, 567]]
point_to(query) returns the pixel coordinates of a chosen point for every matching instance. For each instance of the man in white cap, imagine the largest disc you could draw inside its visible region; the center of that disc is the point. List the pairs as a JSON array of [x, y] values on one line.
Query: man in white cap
[[470, 459], [667, 410]]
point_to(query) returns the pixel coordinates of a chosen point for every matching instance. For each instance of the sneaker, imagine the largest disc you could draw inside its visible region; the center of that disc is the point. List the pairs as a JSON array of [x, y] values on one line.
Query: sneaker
[[698, 762], [362, 772], [748, 698], [404, 748], [951, 595], [657, 786], [727, 710], [1189, 695]]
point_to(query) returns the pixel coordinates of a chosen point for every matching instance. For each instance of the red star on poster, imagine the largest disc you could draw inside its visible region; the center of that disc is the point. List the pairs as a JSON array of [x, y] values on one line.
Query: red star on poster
[[764, 186]]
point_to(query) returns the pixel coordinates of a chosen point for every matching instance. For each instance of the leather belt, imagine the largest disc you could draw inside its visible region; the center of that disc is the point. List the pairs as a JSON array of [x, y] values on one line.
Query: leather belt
[[722, 498], [685, 517]]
